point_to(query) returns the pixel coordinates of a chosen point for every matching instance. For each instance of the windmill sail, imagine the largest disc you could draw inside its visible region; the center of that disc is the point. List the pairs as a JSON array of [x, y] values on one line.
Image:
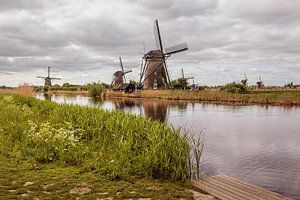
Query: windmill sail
[[157, 36], [177, 48]]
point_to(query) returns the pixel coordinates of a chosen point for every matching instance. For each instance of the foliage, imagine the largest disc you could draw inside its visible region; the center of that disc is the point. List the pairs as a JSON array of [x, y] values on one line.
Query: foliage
[[180, 83], [235, 88], [132, 82], [117, 145], [95, 89]]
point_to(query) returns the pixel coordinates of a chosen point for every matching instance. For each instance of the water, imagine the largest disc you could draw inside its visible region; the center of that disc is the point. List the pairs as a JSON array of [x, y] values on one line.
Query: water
[[257, 144]]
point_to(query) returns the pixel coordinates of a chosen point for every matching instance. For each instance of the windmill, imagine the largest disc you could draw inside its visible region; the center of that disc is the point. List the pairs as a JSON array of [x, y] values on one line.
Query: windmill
[[244, 81], [119, 76], [185, 78], [48, 79], [154, 73], [259, 83]]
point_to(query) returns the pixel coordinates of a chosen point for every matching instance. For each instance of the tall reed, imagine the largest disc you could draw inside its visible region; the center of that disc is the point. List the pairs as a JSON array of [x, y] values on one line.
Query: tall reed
[[115, 144]]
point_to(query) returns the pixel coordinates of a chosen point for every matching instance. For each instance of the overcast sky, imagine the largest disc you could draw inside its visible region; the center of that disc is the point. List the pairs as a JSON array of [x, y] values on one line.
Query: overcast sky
[[82, 39]]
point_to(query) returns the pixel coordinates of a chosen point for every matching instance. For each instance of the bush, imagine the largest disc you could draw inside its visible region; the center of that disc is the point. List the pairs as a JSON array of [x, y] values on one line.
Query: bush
[[96, 90], [235, 88]]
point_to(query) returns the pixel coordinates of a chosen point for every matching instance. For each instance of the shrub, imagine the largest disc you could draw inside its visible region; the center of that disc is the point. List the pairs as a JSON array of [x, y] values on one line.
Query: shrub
[[235, 88], [96, 90]]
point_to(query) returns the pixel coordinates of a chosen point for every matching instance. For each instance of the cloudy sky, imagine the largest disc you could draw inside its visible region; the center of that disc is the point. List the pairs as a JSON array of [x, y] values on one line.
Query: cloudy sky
[[82, 39]]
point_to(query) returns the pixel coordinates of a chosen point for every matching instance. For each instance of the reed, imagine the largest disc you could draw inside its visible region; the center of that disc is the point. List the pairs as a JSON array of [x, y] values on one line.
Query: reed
[[24, 90], [267, 96], [114, 144]]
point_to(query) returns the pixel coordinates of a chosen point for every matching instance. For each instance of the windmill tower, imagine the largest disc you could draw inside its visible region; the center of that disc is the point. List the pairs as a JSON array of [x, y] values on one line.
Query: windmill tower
[[48, 79], [244, 81], [154, 73], [259, 83], [119, 76]]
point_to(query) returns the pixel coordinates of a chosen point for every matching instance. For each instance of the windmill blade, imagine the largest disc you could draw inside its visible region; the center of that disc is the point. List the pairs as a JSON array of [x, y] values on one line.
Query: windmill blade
[[245, 76], [176, 49], [157, 36], [55, 78], [167, 73], [41, 77], [126, 72], [182, 72], [121, 64], [189, 78], [48, 71]]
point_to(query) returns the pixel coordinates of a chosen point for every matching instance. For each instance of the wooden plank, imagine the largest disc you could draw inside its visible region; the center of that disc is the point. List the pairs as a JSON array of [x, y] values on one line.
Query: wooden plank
[[215, 192], [255, 188], [234, 189], [227, 188]]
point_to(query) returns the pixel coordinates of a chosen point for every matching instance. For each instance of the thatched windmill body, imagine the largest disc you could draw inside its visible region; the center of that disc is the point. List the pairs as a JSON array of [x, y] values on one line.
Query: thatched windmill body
[[154, 72], [244, 81], [119, 76], [48, 79], [260, 83]]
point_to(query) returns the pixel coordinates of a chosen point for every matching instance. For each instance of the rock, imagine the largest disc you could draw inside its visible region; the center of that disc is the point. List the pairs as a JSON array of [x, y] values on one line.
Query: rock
[[201, 196], [82, 190], [102, 193], [28, 183]]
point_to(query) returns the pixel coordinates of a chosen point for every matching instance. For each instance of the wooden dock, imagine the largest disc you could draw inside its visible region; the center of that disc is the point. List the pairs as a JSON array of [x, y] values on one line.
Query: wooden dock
[[228, 188]]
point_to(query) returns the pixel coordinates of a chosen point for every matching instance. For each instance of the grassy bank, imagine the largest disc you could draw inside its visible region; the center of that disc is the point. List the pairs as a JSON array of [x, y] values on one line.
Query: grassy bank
[[20, 179], [41, 139], [271, 97]]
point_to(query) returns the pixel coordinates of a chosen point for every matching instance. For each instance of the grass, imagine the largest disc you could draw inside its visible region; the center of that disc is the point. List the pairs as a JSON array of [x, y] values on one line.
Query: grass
[[19, 179], [116, 144], [50, 151], [267, 96]]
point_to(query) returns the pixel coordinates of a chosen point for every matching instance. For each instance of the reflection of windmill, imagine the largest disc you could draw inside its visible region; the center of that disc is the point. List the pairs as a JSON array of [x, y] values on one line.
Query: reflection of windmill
[[259, 83], [119, 76], [244, 81], [48, 79], [154, 73]]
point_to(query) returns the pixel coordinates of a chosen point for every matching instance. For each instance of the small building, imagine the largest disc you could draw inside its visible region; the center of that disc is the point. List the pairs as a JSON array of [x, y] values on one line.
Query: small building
[[126, 87]]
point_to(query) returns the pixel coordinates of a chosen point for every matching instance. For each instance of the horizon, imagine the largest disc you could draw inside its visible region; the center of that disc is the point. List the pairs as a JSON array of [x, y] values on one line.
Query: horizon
[[82, 41]]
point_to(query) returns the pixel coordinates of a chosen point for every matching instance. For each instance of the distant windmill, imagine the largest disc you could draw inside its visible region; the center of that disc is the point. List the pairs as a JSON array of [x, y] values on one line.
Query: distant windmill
[[48, 79], [154, 73], [184, 77], [259, 83], [119, 76], [244, 81]]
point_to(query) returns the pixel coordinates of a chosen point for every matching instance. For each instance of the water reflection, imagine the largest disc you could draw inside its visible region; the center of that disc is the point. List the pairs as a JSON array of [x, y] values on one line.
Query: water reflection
[[258, 144]]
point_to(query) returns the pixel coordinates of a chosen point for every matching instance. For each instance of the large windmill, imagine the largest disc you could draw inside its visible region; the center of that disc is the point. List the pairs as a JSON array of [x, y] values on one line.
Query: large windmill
[[260, 83], [154, 72], [48, 79], [244, 81], [119, 76]]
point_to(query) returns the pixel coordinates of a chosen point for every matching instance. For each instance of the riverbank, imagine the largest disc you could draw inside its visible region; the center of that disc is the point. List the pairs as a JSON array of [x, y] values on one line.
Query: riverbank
[[266, 97], [21, 179], [118, 154]]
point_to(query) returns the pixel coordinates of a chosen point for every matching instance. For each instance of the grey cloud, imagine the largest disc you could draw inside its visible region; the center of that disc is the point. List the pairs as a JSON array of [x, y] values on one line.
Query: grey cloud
[[225, 37]]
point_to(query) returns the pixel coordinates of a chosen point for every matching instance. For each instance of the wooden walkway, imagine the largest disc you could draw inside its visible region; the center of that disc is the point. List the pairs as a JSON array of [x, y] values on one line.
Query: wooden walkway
[[227, 188]]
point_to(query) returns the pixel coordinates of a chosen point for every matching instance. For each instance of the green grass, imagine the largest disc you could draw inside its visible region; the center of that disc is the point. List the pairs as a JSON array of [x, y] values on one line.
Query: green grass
[[113, 144], [49, 149], [55, 182], [263, 96]]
